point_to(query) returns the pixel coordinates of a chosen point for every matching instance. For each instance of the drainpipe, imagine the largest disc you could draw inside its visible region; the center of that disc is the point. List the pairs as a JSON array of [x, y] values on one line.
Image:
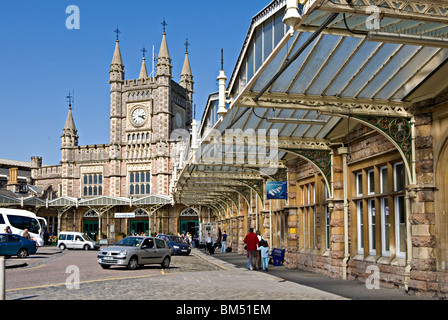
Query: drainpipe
[[292, 16], [407, 269], [410, 195], [343, 151]]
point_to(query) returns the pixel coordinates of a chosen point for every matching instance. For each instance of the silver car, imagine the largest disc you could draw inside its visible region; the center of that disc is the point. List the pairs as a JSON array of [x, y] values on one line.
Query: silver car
[[133, 252]]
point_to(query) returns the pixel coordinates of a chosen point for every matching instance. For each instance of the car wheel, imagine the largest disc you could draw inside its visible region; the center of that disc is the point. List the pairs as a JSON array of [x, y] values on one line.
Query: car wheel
[[86, 247], [23, 253], [62, 247], [166, 263], [105, 266], [133, 263]]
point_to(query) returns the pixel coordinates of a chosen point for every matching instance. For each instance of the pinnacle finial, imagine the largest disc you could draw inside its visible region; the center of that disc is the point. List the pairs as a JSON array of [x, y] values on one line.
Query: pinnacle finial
[[187, 44], [164, 24], [222, 59], [70, 100], [117, 31], [144, 51]]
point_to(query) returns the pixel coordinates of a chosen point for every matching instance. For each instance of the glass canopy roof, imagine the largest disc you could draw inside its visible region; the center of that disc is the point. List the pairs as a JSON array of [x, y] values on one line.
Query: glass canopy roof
[[347, 70]]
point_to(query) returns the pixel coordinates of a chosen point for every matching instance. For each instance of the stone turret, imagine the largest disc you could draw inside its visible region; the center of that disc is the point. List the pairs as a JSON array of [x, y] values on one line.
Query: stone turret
[[143, 70], [186, 81], [164, 67], [69, 137]]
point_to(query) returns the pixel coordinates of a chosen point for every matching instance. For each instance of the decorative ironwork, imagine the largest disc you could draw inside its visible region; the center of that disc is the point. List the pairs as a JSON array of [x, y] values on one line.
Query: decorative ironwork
[[320, 158], [398, 129], [91, 214], [244, 192], [281, 175], [140, 213], [189, 212]]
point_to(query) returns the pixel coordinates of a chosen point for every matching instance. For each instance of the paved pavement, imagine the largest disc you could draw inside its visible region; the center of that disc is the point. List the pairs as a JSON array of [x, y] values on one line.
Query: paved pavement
[[350, 289], [194, 277], [222, 276]]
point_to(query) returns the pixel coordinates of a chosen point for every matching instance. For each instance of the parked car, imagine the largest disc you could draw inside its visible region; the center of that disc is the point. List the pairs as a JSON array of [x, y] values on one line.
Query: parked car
[[176, 244], [76, 240], [134, 252], [15, 245]]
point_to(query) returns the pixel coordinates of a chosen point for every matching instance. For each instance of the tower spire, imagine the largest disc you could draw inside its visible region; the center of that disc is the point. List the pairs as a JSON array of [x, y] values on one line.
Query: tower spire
[[164, 52], [117, 60], [186, 77], [69, 133], [164, 66], [143, 70], [186, 69], [117, 68]]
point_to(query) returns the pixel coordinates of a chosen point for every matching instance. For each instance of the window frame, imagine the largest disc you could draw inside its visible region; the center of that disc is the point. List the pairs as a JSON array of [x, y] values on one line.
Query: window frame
[[382, 206], [359, 190], [137, 184], [360, 226]]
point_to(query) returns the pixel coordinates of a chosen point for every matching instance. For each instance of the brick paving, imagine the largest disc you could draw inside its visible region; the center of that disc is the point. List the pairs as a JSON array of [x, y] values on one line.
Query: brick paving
[[194, 277]]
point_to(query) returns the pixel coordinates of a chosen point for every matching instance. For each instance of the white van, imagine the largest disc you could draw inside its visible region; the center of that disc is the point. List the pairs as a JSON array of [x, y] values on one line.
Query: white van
[[76, 240], [19, 220]]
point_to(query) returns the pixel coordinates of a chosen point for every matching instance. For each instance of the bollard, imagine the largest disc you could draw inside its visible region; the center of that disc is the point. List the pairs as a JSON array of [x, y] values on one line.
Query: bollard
[[2, 278]]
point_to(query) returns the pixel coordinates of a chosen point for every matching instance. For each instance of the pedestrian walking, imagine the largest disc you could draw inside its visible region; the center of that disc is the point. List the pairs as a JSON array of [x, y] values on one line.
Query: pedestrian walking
[[264, 251], [26, 234], [46, 236], [260, 238], [196, 240], [8, 229], [251, 240], [224, 241], [208, 243]]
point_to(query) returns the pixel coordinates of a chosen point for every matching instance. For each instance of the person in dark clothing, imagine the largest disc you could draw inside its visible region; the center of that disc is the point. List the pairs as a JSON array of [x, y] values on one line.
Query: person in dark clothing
[[224, 241]]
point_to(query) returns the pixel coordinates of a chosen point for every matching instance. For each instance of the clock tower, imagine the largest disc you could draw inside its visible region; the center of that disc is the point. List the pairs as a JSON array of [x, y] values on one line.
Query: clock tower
[[144, 112]]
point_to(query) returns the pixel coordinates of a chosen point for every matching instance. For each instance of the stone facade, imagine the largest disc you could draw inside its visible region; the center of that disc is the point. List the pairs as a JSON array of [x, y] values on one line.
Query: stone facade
[[394, 227], [136, 162]]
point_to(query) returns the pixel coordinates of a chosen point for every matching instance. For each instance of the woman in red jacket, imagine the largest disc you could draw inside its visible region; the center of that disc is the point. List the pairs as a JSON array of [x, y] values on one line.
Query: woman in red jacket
[[252, 242]]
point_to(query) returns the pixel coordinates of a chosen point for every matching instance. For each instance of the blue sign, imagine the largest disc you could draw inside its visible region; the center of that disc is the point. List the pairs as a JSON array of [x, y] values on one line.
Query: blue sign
[[276, 190]]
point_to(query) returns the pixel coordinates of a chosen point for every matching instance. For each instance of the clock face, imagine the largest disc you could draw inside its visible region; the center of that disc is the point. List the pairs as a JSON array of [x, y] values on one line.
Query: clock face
[[178, 120], [138, 116]]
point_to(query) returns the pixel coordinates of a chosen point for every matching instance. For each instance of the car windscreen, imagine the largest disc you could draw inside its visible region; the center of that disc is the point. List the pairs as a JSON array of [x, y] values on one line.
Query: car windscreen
[[21, 222], [86, 237], [130, 242], [176, 239]]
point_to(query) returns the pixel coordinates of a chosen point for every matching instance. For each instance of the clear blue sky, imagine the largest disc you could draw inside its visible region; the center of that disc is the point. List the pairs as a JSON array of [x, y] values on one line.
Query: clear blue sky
[[41, 61]]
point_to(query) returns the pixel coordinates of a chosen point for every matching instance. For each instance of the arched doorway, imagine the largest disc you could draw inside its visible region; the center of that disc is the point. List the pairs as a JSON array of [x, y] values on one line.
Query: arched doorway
[[91, 224], [139, 224], [189, 222]]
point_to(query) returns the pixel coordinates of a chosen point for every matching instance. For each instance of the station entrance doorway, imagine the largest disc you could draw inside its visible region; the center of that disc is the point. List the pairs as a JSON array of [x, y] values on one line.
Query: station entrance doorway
[[189, 222]]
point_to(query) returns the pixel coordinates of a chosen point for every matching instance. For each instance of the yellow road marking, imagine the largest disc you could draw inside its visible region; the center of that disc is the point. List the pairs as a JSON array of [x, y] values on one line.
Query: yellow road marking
[[80, 282], [43, 265]]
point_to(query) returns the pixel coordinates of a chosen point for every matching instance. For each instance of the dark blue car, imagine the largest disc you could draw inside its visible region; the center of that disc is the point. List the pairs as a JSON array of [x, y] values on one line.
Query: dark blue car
[[15, 245], [176, 244]]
